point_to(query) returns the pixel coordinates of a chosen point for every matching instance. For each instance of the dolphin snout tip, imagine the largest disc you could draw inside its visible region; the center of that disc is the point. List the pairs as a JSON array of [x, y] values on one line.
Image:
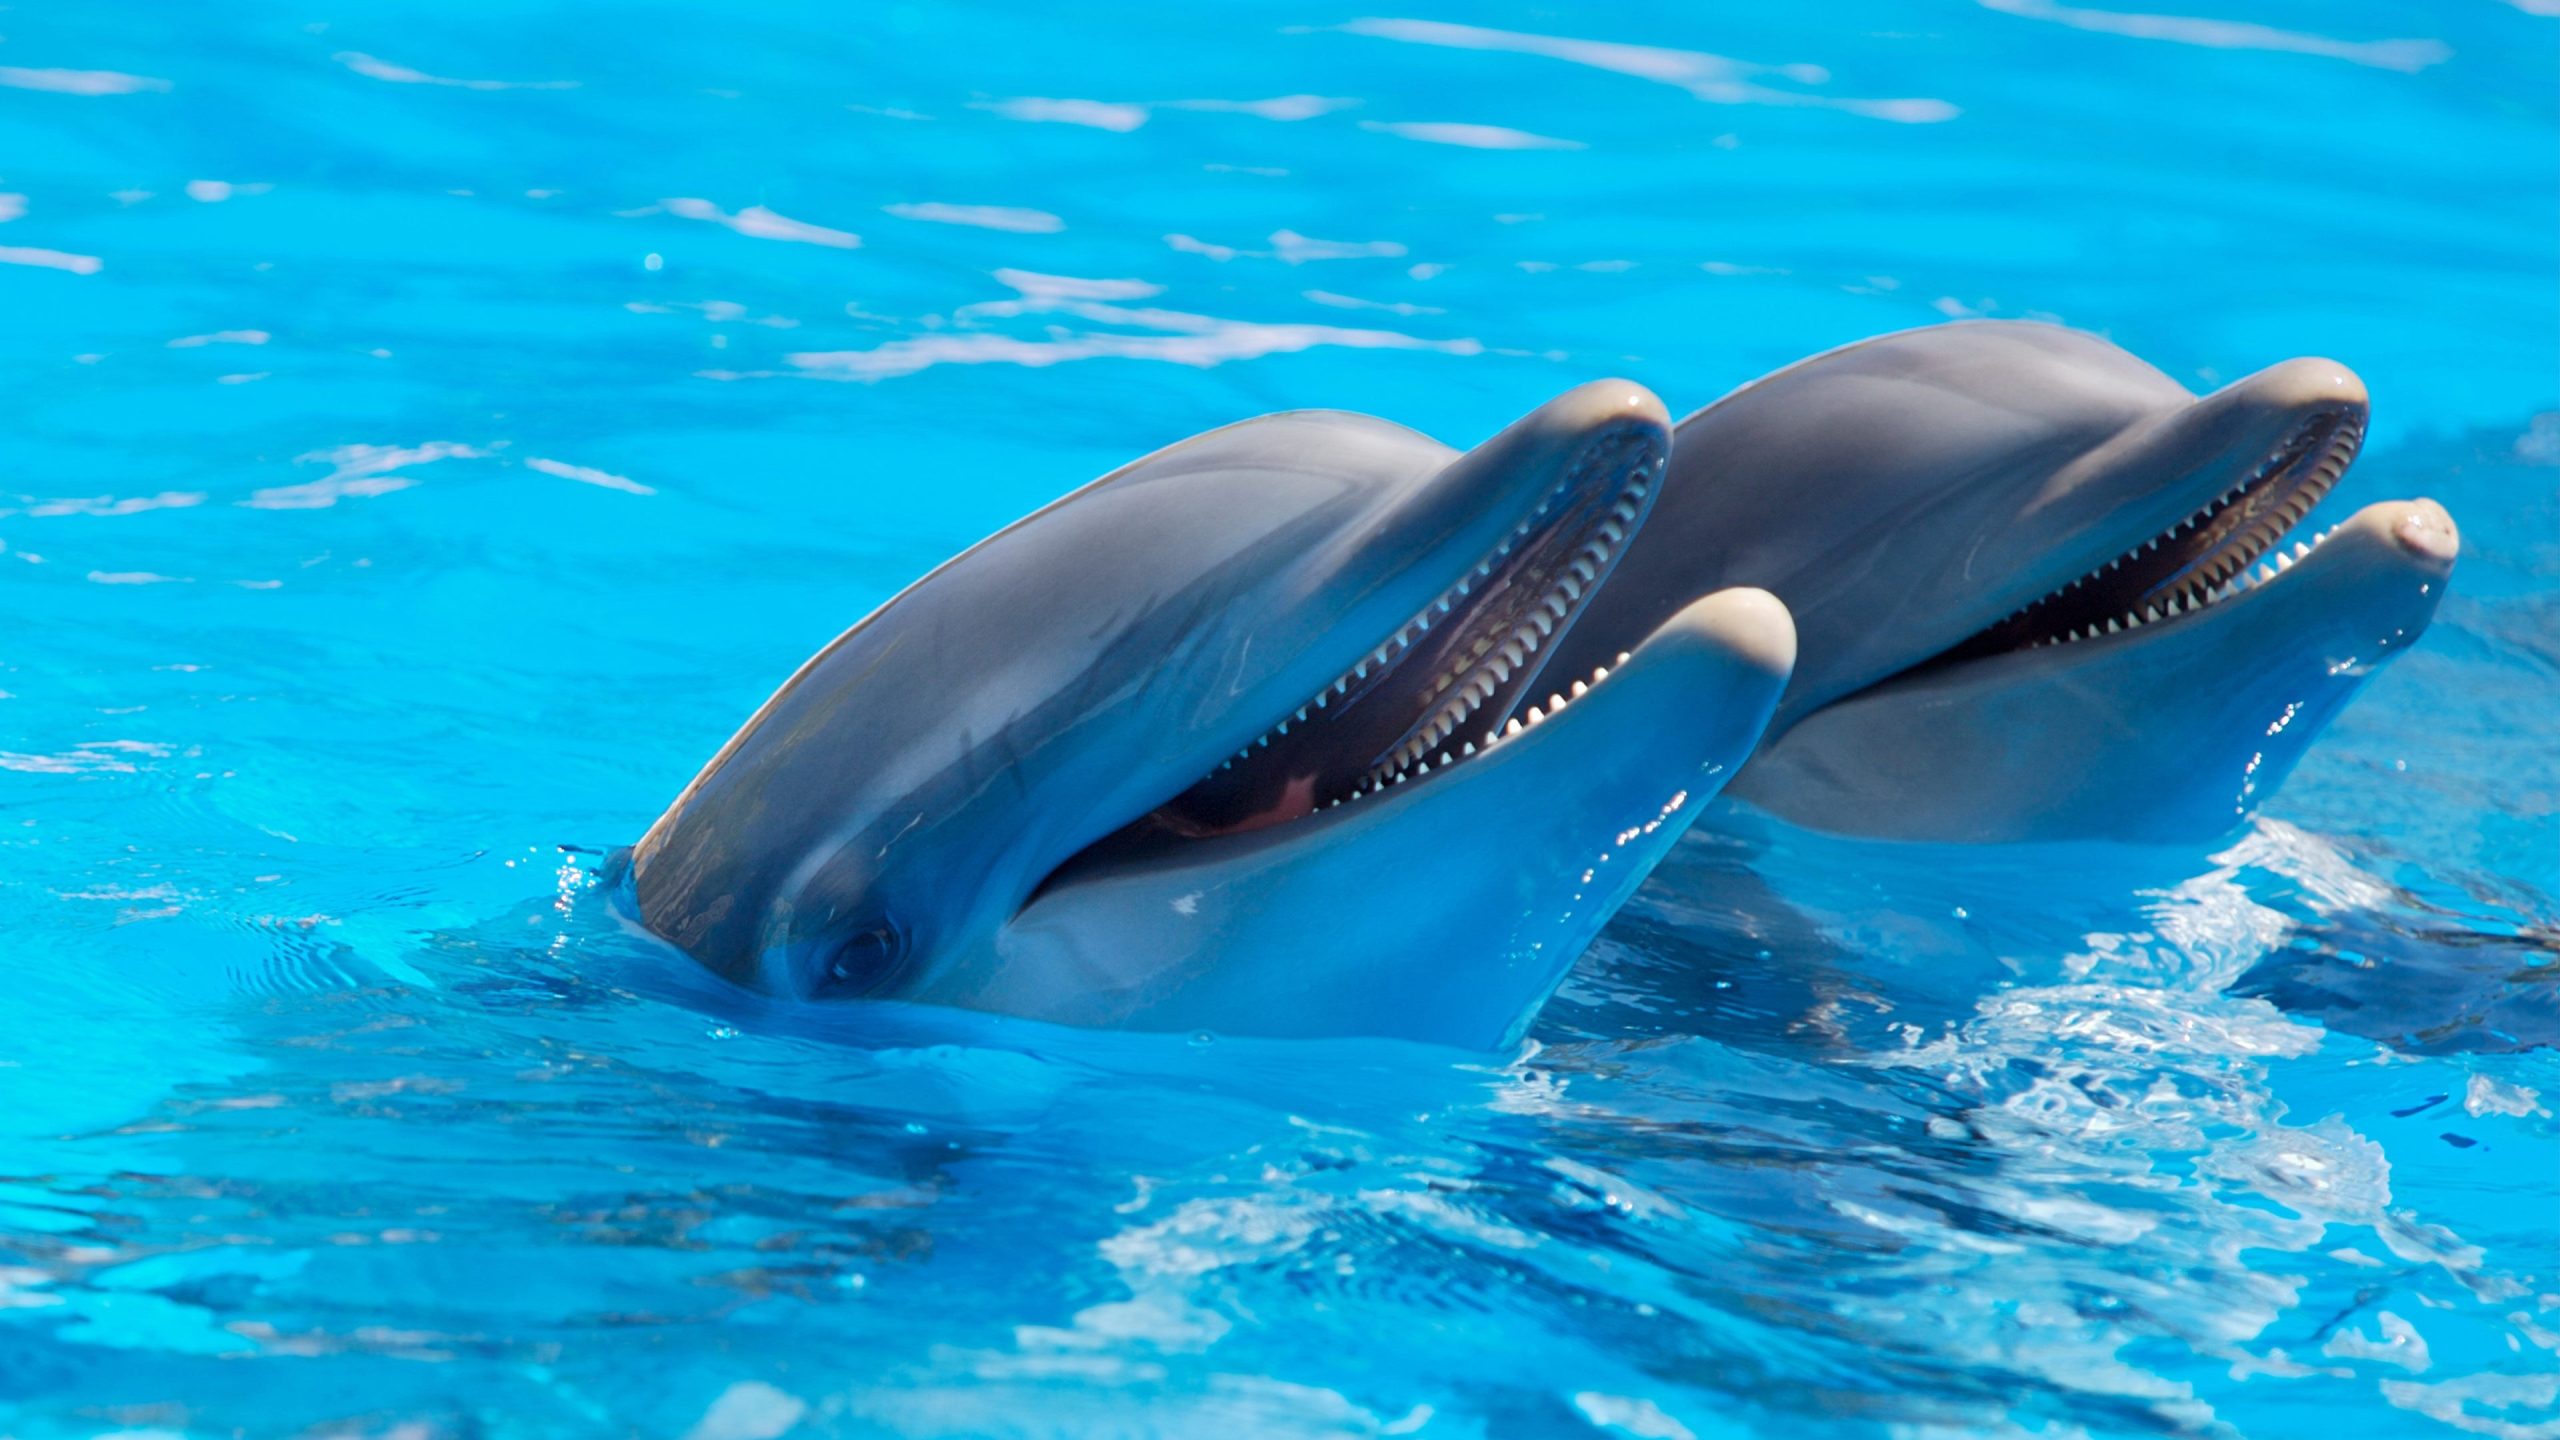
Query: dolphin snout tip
[[2310, 383], [2417, 534], [1751, 625], [1602, 402], [2426, 529]]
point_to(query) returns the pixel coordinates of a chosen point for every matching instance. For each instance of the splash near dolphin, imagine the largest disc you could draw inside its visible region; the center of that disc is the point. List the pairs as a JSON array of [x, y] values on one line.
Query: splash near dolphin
[[1241, 737], [2043, 591]]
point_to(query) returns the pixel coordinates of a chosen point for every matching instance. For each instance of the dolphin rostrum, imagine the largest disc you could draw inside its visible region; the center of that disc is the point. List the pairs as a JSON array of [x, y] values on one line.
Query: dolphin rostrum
[[1238, 738], [2042, 590]]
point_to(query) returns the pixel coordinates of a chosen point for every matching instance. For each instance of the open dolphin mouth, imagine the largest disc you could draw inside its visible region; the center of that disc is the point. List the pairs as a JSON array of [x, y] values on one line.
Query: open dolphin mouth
[[2202, 560], [1448, 684]]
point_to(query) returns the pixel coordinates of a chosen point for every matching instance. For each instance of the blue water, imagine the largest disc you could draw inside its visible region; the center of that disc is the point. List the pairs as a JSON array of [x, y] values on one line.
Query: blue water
[[431, 429]]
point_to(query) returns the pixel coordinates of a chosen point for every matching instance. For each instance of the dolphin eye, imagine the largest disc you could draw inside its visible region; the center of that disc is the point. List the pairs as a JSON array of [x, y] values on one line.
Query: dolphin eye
[[864, 964]]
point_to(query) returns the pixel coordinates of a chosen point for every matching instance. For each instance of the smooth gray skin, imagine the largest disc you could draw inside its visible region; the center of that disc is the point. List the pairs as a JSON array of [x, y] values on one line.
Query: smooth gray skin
[[1903, 494], [880, 825]]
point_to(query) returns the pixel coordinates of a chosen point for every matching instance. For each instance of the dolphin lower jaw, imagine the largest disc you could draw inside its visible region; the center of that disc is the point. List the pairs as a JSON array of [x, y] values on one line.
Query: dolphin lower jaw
[[1445, 909], [2167, 731]]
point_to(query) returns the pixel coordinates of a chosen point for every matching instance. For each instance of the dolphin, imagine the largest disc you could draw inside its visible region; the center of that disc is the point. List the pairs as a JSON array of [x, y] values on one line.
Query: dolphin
[[2043, 591], [1238, 738]]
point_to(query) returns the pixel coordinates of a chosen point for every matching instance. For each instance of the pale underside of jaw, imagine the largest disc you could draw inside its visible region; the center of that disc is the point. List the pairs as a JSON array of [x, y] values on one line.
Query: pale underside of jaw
[[1466, 706]]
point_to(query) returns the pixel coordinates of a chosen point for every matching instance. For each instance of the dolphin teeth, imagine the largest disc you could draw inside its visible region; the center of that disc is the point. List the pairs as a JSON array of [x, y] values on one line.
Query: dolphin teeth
[[2300, 550], [1572, 589], [1512, 728], [1470, 750], [1360, 671], [1613, 530], [1622, 657], [2266, 572], [1536, 714], [1580, 689], [1423, 769], [1341, 687], [2150, 612], [1284, 729], [2113, 627], [1600, 674]]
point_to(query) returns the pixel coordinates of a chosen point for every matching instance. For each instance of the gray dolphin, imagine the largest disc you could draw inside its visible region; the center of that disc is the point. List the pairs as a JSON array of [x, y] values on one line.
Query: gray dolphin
[[1237, 738], [2042, 590]]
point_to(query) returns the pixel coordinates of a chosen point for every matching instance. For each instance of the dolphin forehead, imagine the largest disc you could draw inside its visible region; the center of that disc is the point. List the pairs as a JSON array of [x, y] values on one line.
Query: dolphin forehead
[[1946, 394], [1902, 425], [1136, 615]]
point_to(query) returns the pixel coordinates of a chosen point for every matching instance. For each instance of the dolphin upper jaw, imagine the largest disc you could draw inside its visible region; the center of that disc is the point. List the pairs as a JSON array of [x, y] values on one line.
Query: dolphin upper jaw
[[2175, 503]]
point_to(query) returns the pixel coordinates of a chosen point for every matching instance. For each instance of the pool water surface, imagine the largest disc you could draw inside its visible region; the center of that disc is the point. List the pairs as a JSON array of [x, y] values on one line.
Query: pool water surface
[[432, 429]]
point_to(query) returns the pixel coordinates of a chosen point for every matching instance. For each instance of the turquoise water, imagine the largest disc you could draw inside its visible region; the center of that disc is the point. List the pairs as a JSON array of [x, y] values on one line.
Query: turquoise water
[[432, 429]]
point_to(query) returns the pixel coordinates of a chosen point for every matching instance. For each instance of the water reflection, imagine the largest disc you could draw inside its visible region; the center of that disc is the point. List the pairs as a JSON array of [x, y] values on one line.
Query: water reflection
[[1169, 336], [1716, 79]]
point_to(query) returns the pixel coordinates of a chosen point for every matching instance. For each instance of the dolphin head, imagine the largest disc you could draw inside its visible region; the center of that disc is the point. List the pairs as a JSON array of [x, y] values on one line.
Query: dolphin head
[[1953, 511], [1219, 640]]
